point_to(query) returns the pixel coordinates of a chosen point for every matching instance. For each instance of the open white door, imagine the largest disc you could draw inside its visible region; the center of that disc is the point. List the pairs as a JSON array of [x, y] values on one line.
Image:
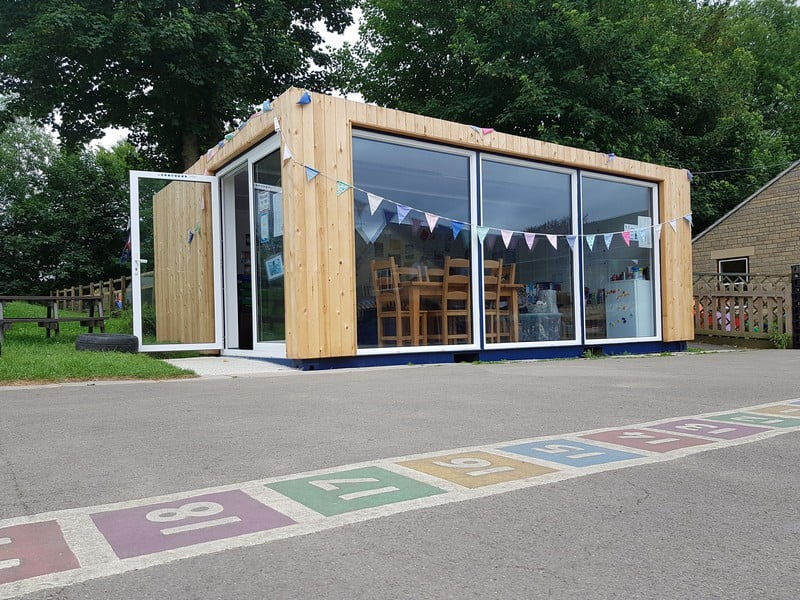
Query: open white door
[[175, 254]]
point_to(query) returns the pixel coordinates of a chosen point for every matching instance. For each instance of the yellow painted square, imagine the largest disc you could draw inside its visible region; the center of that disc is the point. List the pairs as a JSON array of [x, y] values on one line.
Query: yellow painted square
[[476, 469], [780, 410]]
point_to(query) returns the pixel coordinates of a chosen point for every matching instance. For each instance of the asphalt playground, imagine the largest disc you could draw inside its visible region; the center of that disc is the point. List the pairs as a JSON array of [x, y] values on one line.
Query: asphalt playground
[[632, 477]]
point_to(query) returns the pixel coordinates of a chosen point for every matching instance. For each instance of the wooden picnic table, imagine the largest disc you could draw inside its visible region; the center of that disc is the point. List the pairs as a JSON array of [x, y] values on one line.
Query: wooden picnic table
[[53, 320]]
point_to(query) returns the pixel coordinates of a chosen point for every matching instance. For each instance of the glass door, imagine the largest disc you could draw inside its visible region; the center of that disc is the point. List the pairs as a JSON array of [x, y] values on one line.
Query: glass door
[[176, 272]]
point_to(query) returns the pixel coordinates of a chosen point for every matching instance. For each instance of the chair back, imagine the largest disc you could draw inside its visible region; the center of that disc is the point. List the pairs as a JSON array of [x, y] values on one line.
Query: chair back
[[456, 279], [492, 270], [385, 283]]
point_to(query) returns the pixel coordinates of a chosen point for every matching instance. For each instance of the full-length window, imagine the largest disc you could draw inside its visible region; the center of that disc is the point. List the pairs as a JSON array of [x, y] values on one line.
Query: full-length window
[[412, 243], [619, 260], [522, 204]]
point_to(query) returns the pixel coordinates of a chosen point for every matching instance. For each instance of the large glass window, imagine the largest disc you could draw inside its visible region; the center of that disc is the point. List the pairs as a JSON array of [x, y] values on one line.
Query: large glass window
[[268, 211], [413, 280], [619, 292], [535, 299]]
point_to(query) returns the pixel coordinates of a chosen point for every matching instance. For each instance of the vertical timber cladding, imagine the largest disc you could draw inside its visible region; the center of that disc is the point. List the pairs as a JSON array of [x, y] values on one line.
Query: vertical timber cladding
[[183, 272]]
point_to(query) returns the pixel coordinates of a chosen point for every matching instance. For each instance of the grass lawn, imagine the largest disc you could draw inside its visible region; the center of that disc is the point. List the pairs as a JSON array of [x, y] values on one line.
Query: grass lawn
[[28, 356]]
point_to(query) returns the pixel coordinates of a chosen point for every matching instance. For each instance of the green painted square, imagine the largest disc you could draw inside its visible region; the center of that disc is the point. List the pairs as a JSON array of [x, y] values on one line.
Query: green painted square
[[337, 493], [756, 419]]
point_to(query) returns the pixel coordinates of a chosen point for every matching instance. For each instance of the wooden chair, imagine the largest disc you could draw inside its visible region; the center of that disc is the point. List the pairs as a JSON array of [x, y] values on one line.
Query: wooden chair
[[433, 308], [507, 315], [491, 298], [394, 317], [456, 314]]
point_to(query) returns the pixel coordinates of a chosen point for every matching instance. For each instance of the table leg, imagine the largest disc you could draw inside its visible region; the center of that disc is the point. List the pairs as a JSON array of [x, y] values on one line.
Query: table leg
[[413, 311], [514, 315]]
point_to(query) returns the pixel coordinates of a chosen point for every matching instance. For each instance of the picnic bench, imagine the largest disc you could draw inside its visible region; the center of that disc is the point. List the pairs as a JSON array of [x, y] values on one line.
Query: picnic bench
[[53, 320]]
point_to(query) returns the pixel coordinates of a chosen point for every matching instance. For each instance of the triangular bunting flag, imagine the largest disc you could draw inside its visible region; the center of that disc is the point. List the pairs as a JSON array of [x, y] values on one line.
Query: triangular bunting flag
[[506, 235], [402, 212], [266, 106], [305, 98], [689, 175], [610, 156], [590, 241], [229, 136], [486, 130], [674, 225], [457, 227], [287, 154], [374, 202], [432, 220], [530, 239], [276, 124], [220, 144], [626, 236], [211, 152], [475, 128], [552, 239], [242, 124], [607, 237], [689, 219], [255, 114], [311, 173], [657, 231], [482, 231], [571, 241], [342, 187]]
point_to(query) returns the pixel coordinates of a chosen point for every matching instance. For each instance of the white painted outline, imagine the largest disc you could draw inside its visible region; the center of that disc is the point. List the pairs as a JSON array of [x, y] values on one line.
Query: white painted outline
[[98, 560]]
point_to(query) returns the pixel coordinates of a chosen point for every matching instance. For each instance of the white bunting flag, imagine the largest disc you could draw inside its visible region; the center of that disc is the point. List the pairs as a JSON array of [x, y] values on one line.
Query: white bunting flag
[[657, 231], [674, 225], [482, 231], [506, 236], [552, 239], [530, 238], [276, 123], [374, 202], [689, 219], [287, 154], [432, 220], [607, 237]]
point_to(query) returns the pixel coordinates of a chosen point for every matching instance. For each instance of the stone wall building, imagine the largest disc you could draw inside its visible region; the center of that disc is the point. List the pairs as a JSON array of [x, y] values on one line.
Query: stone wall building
[[760, 235]]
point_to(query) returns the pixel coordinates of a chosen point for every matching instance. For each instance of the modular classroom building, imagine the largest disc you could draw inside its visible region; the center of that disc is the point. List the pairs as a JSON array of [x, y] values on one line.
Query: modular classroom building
[[330, 232]]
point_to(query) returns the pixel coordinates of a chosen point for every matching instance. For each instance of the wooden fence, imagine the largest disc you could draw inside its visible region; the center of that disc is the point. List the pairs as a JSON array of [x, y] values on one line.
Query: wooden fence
[[110, 290], [742, 305]]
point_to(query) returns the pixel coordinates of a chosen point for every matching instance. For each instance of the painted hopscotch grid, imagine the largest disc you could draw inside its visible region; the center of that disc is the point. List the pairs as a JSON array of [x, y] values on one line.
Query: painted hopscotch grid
[[64, 547]]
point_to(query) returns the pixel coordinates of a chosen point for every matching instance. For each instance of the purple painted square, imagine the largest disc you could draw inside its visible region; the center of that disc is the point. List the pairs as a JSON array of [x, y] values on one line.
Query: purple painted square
[[33, 549], [714, 429], [642, 439], [185, 522]]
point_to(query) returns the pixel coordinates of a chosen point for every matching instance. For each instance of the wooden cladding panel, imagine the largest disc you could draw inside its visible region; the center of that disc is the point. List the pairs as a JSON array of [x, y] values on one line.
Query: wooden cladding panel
[[183, 272], [676, 259]]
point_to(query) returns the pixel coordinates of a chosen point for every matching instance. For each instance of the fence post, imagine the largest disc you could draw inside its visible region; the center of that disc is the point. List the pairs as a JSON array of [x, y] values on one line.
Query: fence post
[[795, 306]]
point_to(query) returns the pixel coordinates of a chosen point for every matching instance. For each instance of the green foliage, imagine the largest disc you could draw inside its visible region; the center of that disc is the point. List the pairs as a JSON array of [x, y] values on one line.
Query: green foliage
[[172, 72], [703, 86], [62, 214], [781, 341]]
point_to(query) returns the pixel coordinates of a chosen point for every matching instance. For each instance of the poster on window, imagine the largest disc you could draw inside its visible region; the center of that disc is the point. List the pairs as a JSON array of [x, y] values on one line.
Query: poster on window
[[277, 214], [274, 267], [263, 226]]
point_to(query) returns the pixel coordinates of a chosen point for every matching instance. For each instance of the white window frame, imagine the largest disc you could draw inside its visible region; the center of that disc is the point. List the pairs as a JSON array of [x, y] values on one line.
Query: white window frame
[[576, 263], [476, 274], [656, 270]]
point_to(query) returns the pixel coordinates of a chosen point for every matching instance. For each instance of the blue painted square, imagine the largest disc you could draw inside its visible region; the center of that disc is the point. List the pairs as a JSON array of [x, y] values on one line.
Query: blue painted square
[[570, 452], [795, 402]]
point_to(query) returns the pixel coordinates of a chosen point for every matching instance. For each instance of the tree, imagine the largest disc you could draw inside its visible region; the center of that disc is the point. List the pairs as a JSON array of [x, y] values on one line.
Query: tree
[[174, 72], [667, 81]]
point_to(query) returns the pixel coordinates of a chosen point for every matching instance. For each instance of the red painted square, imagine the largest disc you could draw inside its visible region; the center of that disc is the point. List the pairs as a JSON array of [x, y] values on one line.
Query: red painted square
[[654, 441], [34, 549]]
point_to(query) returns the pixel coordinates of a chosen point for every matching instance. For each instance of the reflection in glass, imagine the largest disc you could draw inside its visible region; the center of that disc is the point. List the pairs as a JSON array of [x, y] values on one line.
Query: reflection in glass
[[536, 292], [619, 287], [400, 252], [268, 268]]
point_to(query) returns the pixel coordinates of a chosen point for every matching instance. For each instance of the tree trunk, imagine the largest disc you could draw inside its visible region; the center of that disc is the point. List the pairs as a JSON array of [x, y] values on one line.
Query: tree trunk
[[190, 149]]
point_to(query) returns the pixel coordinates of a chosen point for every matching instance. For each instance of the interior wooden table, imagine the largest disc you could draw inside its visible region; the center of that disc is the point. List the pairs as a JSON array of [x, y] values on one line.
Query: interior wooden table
[[416, 291]]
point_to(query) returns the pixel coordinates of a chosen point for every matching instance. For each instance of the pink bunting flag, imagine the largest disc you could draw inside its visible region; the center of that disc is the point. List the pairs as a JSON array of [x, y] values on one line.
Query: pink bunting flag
[[506, 234], [626, 235], [552, 239], [432, 220], [530, 239], [486, 130]]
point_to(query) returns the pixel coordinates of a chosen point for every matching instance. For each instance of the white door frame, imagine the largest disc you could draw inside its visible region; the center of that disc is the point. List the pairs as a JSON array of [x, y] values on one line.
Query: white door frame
[[136, 260]]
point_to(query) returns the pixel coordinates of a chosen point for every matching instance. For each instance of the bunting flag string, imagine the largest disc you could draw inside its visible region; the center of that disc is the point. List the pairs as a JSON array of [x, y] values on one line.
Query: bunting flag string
[[401, 211]]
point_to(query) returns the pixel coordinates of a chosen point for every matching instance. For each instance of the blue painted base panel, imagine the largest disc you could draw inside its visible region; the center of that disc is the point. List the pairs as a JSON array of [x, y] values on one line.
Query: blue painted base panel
[[427, 358]]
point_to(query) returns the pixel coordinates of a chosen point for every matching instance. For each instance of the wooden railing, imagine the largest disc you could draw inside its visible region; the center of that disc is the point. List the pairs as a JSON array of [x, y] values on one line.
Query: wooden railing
[[742, 305], [111, 291]]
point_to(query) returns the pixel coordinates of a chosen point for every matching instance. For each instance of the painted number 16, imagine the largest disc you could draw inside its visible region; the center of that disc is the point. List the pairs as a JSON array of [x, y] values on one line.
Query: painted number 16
[[473, 463]]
